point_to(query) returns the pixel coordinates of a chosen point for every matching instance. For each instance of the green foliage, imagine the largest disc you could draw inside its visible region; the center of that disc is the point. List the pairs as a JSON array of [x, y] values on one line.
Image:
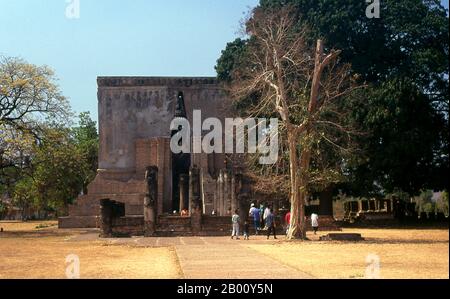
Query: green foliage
[[229, 59], [29, 95], [399, 194], [61, 167], [44, 162], [429, 203], [29, 99], [442, 203], [429, 207], [87, 143], [25, 194], [3, 208], [410, 39], [403, 57], [404, 140]]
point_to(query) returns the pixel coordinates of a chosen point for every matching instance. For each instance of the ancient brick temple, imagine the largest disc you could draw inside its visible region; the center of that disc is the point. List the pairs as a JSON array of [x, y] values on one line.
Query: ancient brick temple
[[135, 114], [140, 182]]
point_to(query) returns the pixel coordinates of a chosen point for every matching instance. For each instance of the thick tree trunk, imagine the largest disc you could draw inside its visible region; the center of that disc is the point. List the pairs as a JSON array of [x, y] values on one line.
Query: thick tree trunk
[[305, 159], [297, 228], [301, 182]]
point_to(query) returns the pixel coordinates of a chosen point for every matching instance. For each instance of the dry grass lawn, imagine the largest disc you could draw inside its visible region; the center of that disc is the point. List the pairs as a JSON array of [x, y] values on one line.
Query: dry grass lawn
[[403, 253], [27, 252], [18, 226], [39, 250]]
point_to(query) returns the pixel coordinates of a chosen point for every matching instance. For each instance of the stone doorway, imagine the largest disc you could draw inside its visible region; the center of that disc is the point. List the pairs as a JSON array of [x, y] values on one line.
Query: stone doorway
[[180, 166]]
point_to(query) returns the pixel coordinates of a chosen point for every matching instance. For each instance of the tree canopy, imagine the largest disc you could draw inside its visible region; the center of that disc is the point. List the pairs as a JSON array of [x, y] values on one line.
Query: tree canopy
[[45, 161], [403, 57]]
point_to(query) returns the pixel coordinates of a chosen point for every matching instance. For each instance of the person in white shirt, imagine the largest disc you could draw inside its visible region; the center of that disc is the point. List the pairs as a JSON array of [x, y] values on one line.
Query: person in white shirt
[[266, 212], [315, 222], [265, 215], [235, 219]]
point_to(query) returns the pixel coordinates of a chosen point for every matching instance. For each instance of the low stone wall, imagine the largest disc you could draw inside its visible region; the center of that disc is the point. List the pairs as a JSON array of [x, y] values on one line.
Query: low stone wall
[[210, 226], [128, 226], [79, 222], [174, 226]]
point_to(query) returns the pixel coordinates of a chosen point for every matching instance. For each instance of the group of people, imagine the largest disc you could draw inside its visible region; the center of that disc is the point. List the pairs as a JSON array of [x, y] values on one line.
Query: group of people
[[264, 219]]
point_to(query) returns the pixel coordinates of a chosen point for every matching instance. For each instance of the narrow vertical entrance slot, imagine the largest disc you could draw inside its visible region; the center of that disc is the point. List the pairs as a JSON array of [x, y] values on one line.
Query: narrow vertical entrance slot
[[180, 166]]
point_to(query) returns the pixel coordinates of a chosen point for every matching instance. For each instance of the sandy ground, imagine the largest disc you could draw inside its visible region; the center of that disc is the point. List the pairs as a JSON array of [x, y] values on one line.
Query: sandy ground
[[39, 250], [403, 253], [26, 252]]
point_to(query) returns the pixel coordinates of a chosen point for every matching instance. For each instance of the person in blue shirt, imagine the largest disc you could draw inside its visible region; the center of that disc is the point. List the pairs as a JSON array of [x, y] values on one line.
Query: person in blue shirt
[[270, 224], [255, 213]]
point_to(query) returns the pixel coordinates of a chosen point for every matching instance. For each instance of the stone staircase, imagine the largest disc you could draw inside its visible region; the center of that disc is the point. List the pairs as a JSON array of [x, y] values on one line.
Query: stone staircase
[[126, 188], [83, 214], [216, 225], [171, 226]]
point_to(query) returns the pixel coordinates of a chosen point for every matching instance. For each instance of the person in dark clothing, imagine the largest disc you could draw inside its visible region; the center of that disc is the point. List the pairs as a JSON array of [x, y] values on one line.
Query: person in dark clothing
[[270, 223], [246, 230]]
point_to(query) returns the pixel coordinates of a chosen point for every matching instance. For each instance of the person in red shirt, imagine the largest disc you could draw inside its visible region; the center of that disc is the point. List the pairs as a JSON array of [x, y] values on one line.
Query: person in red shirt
[[287, 220]]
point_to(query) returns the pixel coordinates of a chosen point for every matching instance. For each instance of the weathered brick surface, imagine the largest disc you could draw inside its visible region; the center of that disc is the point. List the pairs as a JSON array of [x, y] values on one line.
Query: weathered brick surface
[[79, 222], [126, 187], [183, 226], [128, 226], [156, 152]]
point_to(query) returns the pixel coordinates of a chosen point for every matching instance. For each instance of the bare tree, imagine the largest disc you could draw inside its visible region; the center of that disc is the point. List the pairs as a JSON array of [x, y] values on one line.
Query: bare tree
[[304, 87]]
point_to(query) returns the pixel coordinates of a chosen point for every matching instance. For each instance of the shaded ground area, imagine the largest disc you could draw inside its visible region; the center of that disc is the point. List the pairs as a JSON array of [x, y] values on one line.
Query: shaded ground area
[[38, 250]]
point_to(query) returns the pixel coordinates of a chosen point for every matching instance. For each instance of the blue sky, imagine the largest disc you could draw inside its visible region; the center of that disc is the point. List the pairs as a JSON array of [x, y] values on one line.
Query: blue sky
[[117, 37]]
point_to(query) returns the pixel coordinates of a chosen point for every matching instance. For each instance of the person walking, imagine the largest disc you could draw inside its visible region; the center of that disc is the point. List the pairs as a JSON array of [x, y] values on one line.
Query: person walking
[[255, 214], [266, 213], [235, 219], [261, 213], [287, 220], [270, 223], [246, 230], [315, 222]]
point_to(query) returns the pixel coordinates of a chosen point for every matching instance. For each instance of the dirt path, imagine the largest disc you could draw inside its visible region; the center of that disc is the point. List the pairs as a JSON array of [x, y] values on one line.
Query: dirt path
[[221, 258], [216, 257], [29, 252]]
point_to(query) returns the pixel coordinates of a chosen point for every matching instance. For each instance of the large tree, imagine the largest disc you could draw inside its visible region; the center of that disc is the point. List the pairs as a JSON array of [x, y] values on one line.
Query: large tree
[[44, 162], [85, 136], [305, 87], [62, 164], [403, 56], [29, 97]]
